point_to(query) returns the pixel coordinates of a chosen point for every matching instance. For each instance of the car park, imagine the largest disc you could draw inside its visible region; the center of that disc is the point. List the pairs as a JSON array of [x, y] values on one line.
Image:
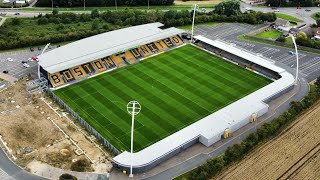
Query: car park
[[25, 65]]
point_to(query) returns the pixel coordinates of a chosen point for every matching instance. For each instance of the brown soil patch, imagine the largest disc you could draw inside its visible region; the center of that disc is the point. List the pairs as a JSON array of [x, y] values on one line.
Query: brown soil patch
[[27, 128], [292, 155]]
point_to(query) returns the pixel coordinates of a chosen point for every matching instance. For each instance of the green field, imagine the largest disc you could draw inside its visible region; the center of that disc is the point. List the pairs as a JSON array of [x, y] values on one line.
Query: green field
[[175, 89], [273, 34]]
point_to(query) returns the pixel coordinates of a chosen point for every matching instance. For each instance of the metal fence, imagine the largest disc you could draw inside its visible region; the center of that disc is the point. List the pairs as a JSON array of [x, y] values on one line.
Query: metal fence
[[84, 123]]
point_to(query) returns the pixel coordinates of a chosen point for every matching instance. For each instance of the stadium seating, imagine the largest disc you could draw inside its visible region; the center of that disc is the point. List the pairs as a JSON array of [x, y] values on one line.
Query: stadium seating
[[78, 72], [129, 57], [88, 68], [109, 62], [56, 79], [67, 75], [118, 60], [152, 47], [161, 45], [168, 42], [135, 52], [176, 40], [145, 51], [100, 65]]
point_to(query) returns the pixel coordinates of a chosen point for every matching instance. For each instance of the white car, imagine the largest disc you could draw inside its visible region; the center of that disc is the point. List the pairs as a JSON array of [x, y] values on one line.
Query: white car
[[30, 59], [25, 65], [10, 59], [276, 10], [248, 9]]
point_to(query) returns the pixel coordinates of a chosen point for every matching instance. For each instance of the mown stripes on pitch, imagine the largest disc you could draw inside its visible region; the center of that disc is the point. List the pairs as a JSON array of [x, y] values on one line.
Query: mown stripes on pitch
[[175, 89]]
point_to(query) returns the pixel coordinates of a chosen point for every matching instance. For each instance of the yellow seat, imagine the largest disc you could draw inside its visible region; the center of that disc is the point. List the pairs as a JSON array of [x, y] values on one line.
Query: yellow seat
[[161, 45], [56, 79], [98, 65], [78, 72], [129, 57], [118, 60], [145, 50], [177, 40]]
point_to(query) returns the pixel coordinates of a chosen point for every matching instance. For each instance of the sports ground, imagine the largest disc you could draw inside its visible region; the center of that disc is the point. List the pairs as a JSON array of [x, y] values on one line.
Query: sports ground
[[175, 89]]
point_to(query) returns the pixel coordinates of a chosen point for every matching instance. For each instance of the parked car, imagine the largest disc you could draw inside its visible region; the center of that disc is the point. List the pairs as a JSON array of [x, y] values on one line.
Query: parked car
[[17, 14], [31, 49], [10, 59], [5, 71], [35, 58], [247, 8], [25, 65], [308, 10], [276, 10], [292, 53]]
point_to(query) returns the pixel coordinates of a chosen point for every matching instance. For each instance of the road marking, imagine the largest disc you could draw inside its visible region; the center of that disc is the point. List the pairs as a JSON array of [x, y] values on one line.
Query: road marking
[[4, 175]]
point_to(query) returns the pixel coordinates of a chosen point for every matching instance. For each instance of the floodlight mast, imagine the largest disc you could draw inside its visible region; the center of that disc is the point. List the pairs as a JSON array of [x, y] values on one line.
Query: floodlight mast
[[195, 7], [44, 49], [297, 57], [133, 109]]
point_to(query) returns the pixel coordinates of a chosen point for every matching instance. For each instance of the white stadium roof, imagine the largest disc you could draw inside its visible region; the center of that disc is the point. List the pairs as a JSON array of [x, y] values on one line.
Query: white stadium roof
[[210, 128], [103, 45]]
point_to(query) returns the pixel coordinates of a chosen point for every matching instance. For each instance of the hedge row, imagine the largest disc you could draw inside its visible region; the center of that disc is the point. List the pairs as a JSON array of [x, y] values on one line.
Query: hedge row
[[110, 20], [265, 132], [79, 3]]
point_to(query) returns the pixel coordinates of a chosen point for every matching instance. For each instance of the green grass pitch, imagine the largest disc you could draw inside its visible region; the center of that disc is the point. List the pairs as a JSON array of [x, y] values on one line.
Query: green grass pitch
[[175, 89]]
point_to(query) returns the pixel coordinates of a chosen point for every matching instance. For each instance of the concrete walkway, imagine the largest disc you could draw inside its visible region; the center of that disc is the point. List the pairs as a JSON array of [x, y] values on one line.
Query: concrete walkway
[[49, 172], [3, 19]]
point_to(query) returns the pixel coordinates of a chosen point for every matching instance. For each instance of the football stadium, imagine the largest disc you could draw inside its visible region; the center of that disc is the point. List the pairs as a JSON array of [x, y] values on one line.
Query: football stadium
[[190, 92]]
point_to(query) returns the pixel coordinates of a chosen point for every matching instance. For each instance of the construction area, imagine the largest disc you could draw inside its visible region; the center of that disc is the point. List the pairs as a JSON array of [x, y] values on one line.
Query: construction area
[[294, 154], [35, 131]]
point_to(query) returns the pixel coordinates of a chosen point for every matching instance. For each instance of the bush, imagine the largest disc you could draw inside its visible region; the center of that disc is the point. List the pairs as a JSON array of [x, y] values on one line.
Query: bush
[[15, 21], [43, 21], [81, 165], [67, 177], [281, 39]]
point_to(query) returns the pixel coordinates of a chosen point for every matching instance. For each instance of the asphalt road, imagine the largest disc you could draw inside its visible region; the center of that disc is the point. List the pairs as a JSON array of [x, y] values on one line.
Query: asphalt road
[[10, 171]]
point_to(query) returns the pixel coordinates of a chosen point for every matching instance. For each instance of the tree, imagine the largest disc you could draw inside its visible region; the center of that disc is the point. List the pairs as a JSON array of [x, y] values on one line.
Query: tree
[[302, 36], [230, 7], [15, 21], [55, 12], [281, 39], [94, 13], [95, 24]]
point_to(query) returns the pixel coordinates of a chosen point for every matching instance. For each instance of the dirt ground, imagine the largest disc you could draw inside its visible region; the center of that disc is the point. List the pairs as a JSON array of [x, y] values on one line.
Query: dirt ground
[[209, 2], [295, 154], [27, 127]]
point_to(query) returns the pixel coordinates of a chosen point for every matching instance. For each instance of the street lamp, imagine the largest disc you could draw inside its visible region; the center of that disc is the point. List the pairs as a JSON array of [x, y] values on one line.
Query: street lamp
[[84, 5], [297, 57], [44, 49], [195, 6], [133, 108], [52, 5]]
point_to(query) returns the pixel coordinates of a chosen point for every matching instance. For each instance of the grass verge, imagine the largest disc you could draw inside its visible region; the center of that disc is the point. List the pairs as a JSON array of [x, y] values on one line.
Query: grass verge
[[273, 34], [288, 17]]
